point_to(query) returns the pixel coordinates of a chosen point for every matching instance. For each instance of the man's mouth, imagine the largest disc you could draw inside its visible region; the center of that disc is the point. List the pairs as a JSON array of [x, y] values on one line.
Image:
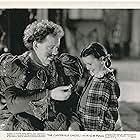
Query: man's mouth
[[50, 58]]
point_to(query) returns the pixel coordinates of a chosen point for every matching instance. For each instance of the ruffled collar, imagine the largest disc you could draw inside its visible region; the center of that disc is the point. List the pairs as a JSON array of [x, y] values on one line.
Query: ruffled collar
[[102, 73]]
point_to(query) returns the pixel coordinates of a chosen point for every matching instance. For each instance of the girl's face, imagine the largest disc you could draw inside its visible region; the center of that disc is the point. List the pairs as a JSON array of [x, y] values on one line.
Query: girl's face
[[92, 64], [48, 48]]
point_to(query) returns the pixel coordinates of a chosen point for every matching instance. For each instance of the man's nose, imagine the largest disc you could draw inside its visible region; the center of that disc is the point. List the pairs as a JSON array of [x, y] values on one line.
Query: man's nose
[[88, 68]]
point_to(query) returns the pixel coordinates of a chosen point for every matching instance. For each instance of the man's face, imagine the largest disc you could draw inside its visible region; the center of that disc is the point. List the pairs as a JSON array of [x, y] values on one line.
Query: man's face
[[48, 48]]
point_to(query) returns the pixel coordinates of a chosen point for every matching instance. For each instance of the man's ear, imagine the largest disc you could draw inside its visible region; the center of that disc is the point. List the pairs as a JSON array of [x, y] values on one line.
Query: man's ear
[[35, 45]]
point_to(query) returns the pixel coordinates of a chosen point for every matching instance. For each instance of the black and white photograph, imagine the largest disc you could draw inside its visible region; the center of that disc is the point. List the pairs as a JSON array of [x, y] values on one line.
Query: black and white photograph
[[69, 69]]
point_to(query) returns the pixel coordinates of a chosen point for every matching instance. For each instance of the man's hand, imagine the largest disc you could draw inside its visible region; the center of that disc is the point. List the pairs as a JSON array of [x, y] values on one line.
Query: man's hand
[[61, 93]]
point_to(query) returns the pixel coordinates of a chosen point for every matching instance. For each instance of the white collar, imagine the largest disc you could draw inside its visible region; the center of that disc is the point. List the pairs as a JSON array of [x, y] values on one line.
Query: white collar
[[102, 73]]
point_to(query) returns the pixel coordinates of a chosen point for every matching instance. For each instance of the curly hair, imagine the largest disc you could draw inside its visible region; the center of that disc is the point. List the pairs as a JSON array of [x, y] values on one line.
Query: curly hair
[[38, 30]]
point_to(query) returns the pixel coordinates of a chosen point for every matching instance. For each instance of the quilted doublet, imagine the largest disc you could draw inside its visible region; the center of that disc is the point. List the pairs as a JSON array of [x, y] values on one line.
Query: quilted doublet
[[35, 83], [14, 72]]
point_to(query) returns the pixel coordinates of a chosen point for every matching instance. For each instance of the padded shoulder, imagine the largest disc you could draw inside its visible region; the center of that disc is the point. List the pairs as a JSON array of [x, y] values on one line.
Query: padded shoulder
[[6, 57], [9, 64]]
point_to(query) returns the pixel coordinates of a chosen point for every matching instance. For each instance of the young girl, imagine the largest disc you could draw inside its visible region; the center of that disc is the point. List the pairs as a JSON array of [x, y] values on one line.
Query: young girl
[[98, 105]]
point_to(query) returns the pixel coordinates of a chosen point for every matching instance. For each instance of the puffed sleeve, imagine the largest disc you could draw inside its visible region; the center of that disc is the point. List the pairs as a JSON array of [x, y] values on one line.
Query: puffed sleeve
[[6, 70], [113, 101], [17, 99]]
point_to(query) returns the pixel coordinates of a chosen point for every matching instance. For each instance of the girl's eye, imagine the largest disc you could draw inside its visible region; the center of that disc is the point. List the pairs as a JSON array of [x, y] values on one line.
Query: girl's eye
[[89, 64]]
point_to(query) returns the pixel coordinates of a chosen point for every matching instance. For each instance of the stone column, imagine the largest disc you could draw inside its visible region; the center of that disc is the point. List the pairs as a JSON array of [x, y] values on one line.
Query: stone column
[[135, 40], [42, 14]]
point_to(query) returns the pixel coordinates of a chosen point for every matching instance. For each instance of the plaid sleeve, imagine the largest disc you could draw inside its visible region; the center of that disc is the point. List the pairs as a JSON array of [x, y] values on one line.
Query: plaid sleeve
[[97, 107], [113, 102], [75, 118]]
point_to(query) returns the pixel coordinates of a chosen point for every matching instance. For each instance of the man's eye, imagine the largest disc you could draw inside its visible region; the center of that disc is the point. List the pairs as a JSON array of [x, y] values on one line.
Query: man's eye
[[51, 47]]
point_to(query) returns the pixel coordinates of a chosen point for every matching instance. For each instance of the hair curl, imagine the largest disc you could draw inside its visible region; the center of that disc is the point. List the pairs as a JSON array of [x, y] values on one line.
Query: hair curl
[[38, 30]]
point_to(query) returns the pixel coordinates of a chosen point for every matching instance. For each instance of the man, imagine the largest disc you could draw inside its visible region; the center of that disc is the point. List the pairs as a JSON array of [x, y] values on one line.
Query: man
[[27, 85]]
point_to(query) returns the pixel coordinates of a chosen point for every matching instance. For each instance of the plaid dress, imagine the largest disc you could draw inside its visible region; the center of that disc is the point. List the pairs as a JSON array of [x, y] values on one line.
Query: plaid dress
[[98, 105]]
